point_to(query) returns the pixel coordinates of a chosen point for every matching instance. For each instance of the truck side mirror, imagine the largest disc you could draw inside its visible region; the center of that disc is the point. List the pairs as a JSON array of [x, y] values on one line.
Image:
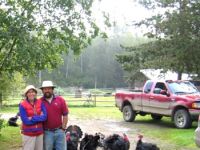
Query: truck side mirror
[[157, 91]]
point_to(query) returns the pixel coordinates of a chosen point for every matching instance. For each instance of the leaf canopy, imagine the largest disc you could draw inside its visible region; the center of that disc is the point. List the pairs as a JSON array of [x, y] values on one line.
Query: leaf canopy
[[34, 33]]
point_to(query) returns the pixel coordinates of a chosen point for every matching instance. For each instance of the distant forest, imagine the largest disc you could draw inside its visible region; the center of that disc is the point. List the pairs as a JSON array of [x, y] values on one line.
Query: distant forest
[[95, 67]]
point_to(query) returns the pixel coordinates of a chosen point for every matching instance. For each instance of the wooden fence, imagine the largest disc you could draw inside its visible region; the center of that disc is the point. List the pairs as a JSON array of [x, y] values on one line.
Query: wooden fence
[[93, 100], [90, 100]]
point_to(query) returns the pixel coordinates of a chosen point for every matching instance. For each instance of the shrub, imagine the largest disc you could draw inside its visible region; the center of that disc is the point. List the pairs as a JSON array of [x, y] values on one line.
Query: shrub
[[1, 123]]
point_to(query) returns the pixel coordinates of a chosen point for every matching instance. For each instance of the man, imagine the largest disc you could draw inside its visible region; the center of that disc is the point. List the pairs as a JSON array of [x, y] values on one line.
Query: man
[[57, 118]]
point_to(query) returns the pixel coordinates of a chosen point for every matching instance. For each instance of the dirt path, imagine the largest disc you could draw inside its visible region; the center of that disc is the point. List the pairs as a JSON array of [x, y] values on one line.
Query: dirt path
[[108, 127]]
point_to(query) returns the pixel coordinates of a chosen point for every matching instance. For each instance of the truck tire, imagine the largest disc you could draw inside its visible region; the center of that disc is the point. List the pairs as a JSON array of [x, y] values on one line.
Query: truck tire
[[156, 117], [182, 119], [128, 113]]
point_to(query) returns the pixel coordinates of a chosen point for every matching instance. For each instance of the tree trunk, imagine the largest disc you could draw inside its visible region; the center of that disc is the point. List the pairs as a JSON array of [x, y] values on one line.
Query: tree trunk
[[179, 75], [1, 99]]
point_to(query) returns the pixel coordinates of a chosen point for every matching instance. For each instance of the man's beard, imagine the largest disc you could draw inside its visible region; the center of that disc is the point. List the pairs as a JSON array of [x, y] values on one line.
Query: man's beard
[[48, 95]]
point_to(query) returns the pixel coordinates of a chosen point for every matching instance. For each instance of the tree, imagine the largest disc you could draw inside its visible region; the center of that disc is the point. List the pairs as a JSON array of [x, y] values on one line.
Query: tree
[[175, 34], [11, 86], [33, 33]]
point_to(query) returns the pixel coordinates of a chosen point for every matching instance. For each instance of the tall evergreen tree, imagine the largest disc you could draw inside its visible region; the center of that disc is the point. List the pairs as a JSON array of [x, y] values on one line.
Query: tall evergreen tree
[[175, 33]]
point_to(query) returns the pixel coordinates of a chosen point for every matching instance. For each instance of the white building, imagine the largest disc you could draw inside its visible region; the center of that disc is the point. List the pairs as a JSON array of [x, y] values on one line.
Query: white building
[[159, 74]]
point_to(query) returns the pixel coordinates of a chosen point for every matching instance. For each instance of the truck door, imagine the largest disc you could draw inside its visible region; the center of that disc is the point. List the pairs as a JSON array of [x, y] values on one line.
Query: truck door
[[146, 95], [159, 99]]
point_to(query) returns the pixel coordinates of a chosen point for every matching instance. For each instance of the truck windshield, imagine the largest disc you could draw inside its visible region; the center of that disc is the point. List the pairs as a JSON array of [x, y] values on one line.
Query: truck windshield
[[182, 87]]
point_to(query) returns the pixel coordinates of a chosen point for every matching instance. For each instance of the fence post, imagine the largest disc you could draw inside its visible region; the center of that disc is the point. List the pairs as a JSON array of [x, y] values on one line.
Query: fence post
[[95, 100]]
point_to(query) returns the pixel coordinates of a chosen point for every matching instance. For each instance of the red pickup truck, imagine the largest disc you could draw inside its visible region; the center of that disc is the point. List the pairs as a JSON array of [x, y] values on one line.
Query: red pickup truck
[[179, 100]]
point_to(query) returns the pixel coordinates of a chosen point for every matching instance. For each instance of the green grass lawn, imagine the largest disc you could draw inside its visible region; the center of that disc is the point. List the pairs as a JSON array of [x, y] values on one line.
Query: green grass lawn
[[166, 131], [10, 137]]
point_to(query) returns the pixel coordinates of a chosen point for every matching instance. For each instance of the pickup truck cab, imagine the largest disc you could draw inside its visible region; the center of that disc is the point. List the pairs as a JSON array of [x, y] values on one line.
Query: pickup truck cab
[[179, 100]]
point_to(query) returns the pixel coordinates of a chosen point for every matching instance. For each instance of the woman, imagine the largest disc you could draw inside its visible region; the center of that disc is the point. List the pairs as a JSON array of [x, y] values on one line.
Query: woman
[[32, 113]]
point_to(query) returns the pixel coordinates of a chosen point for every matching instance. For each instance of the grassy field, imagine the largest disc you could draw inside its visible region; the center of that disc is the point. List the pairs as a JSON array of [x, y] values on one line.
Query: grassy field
[[164, 130], [10, 138]]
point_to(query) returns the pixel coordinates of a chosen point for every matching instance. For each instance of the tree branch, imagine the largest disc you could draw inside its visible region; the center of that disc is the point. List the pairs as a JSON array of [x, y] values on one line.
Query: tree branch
[[8, 54]]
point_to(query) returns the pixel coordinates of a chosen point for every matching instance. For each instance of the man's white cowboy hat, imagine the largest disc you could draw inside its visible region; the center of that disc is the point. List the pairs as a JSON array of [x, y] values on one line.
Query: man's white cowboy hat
[[47, 84], [29, 87]]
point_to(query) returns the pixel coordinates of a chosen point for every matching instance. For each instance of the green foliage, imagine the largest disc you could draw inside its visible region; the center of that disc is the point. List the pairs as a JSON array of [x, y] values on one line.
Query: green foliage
[[2, 124], [11, 82], [176, 38], [11, 86], [135, 58], [33, 34]]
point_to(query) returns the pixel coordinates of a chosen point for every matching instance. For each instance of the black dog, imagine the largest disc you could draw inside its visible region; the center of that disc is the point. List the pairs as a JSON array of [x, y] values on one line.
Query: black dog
[[116, 142], [13, 121], [145, 146], [90, 142]]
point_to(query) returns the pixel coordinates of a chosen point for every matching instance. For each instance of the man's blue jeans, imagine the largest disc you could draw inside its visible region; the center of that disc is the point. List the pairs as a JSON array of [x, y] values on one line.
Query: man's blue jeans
[[55, 139]]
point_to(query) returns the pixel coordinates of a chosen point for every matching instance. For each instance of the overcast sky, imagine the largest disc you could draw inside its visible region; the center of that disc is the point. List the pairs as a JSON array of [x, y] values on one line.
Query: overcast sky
[[123, 12]]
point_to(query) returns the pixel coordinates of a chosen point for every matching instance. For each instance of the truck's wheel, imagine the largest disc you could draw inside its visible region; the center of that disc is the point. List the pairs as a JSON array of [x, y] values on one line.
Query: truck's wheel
[[182, 119], [156, 117], [128, 113]]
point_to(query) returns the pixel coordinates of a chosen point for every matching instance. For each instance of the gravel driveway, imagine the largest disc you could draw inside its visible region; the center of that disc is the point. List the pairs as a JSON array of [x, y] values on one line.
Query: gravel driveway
[[108, 127]]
